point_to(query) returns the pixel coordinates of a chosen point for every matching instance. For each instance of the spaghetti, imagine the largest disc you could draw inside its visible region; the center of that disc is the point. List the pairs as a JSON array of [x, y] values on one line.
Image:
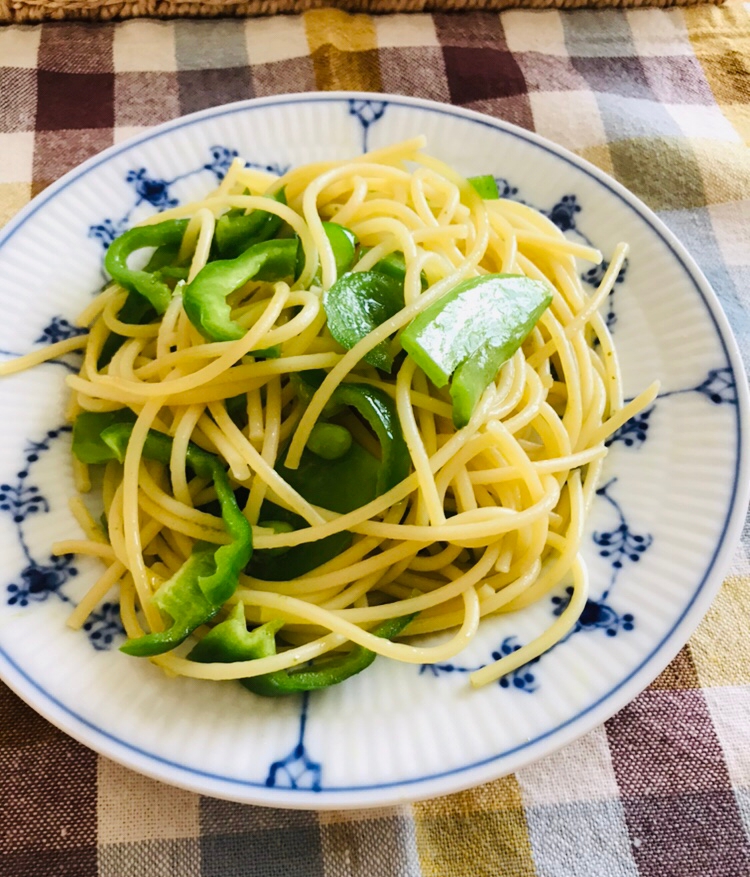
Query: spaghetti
[[275, 394]]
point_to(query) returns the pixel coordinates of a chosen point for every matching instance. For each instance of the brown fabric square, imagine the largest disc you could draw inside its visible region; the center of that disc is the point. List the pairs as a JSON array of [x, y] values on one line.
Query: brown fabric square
[[477, 31], [199, 89], [75, 100], [695, 835], [278, 77], [480, 74], [681, 80], [17, 99], [19, 724], [515, 109], [146, 98], [53, 789], [623, 76], [57, 152], [50, 863], [664, 743], [680, 674], [417, 71], [67, 47]]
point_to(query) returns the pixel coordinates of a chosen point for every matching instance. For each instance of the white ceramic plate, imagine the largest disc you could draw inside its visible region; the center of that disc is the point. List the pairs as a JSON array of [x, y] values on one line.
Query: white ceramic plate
[[661, 532]]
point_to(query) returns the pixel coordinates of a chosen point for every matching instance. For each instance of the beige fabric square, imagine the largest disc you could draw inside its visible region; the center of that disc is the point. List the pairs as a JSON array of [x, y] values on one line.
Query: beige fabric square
[[696, 121], [659, 33], [132, 807], [13, 196], [570, 118], [535, 32], [581, 771], [19, 45], [739, 116], [275, 39], [731, 222], [144, 45], [125, 132], [17, 151], [402, 31]]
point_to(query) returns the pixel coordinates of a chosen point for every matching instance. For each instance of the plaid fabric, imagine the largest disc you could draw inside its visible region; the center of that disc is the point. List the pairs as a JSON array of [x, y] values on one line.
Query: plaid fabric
[[661, 100]]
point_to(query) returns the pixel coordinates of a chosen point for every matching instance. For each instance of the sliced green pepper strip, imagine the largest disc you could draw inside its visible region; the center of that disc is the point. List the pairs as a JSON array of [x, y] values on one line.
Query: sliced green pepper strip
[[231, 641], [343, 242], [278, 565], [344, 245], [238, 230], [197, 591], [358, 303], [87, 434], [148, 284], [486, 187], [205, 298], [342, 484], [380, 412], [477, 326], [181, 598]]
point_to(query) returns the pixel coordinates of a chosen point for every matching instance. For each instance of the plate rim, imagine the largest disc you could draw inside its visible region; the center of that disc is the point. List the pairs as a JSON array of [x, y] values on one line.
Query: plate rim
[[510, 760]]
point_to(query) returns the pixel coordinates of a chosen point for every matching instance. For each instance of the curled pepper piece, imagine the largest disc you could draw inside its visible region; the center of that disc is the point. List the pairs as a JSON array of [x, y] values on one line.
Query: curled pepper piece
[[471, 331], [238, 230], [379, 411], [149, 284], [138, 310], [231, 641], [209, 577], [205, 298]]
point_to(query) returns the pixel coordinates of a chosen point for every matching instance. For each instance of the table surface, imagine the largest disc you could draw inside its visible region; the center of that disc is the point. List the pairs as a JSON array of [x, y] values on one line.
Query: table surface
[[660, 100]]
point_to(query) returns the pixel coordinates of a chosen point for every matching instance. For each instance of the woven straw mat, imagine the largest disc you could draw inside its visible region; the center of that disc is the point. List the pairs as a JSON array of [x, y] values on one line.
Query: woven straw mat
[[105, 10]]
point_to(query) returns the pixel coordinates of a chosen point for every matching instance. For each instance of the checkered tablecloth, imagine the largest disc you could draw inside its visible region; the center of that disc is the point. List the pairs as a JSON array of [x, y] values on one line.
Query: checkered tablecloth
[[660, 100]]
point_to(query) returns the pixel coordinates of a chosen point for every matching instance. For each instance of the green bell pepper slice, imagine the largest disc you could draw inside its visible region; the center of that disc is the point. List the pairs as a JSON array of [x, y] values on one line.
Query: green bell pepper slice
[[379, 411], [147, 283], [230, 641], [358, 303], [87, 434], [486, 187], [471, 331], [343, 242], [279, 565], [342, 484], [205, 297], [139, 310], [198, 590], [238, 230]]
